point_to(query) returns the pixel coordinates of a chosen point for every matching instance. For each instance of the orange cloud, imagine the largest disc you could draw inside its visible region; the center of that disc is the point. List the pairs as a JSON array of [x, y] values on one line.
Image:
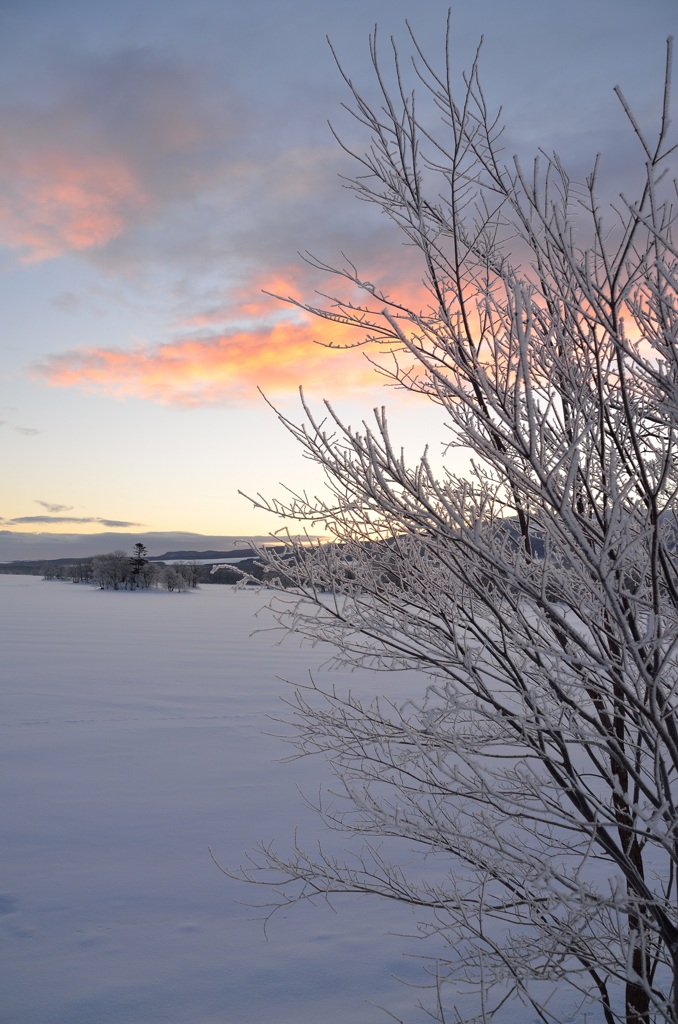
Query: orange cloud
[[227, 366], [241, 344]]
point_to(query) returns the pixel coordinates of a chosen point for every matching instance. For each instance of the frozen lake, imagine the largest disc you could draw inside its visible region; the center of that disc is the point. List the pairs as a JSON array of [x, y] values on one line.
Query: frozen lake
[[134, 737]]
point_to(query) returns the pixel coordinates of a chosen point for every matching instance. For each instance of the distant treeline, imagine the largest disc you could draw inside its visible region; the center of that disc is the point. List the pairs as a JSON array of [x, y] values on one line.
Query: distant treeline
[[84, 570]]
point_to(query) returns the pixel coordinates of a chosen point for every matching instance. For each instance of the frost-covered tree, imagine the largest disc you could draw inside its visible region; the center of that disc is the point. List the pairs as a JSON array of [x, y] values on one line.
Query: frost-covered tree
[[174, 579], [149, 576], [80, 571], [111, 571], [190, 572], [537, 595]]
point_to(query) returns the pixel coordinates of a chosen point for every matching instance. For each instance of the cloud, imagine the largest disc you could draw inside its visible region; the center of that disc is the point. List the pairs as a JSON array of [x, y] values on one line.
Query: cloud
[[247, 341], [52, 507], [124, 136], [128, 160], [57, 195], [217, 367], [115, 523], [54, 520], [28, 431]]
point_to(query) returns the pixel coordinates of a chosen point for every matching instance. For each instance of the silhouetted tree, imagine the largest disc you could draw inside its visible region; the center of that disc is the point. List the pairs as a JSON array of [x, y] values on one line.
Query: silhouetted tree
[[137, 563]]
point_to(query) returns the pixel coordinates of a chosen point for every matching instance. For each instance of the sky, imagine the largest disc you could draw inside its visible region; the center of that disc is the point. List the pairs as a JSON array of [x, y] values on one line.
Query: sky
[[161, 168]]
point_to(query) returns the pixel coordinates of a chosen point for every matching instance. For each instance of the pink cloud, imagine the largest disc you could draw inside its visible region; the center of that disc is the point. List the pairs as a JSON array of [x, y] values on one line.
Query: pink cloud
[[53, 201], [125, 137]]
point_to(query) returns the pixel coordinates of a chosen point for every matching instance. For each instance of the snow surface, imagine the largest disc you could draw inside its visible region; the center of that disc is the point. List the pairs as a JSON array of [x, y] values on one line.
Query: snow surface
[[134, 737]]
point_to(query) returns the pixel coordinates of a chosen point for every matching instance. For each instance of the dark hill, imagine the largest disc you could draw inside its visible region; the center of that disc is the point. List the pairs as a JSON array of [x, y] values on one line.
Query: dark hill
[[190, 555]]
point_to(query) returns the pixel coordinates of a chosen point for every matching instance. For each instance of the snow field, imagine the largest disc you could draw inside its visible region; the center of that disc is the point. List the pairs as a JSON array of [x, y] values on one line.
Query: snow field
[[135, 736]]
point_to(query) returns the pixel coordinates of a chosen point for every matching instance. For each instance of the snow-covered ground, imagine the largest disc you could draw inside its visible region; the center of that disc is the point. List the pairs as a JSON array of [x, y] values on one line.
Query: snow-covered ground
[[134, 737]]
